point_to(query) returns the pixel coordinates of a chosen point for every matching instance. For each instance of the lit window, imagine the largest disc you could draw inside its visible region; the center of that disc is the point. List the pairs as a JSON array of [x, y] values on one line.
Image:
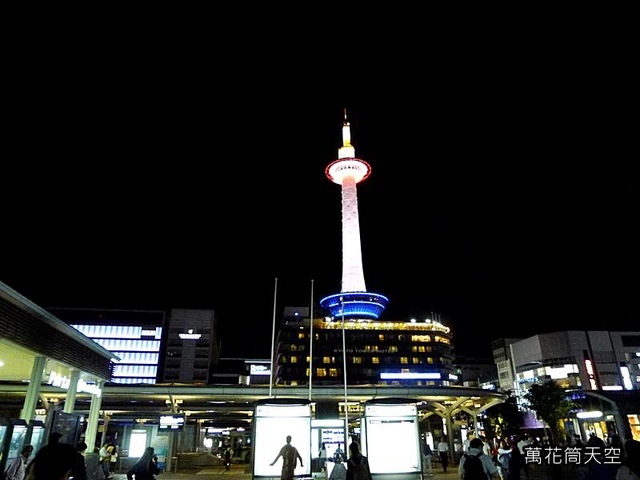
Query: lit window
[[404, 360], [327, 360], [357, 360], [321, 372], [301, 336], [294, 359], [375, 360], [333, 372]]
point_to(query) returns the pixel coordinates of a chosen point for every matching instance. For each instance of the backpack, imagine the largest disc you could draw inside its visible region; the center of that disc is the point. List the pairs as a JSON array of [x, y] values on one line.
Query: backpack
[[473, 468], [504, 460]]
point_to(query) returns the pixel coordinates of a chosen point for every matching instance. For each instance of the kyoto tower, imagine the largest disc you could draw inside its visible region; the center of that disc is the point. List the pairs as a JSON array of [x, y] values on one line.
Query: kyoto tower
[[353, 301]]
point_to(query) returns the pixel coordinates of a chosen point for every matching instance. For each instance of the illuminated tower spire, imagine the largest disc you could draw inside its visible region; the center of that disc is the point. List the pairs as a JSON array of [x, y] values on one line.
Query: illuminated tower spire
[[354, 301]]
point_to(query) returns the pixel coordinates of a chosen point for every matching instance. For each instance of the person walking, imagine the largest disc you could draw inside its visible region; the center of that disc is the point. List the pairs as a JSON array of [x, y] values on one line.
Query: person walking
[[105, 460], [146, 468], [443, 453], [504, 458], [113, 458], [79, 472], [357, 464], [630, 467], [290, 457], [427, 454], [338, 455], [322, 458], [228, 454], [485, 465], [54, 461], [17, 468]]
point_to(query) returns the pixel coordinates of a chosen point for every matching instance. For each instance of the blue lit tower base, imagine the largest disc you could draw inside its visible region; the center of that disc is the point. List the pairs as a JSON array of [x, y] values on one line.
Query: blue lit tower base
[[363, 305]]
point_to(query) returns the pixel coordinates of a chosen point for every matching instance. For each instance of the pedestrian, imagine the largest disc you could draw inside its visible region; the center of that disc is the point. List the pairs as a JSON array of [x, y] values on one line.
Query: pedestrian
[[17, 468], [105, 460], [79, 472], [427, 454], [443, 453], [290, 457], [504, 458], [475, 454], [146, 468], [228, 454], [322, 458], [357, 464], [338, 454], [113, 458], [54, 461], [516, 462], [630, 468]]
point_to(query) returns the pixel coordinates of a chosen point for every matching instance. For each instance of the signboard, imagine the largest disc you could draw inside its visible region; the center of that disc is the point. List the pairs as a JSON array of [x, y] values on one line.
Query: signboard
[[172, 422]]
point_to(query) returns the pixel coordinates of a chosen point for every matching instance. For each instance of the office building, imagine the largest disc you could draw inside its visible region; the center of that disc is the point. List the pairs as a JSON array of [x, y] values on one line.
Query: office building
[[589, 360], [192, 346], [134, 336]]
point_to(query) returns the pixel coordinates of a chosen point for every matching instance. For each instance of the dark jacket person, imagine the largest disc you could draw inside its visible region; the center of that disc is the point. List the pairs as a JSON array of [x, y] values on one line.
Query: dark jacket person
[[146, 468], [357, 464]]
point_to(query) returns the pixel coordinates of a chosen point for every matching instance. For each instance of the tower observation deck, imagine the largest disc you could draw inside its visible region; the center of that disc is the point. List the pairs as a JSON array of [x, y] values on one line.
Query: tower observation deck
[[353, 301]]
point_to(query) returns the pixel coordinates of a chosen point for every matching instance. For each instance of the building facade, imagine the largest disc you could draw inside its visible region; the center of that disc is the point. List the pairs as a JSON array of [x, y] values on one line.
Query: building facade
[[589, 360], [192, 346], [375, 352], [135, 336], [599, 370]]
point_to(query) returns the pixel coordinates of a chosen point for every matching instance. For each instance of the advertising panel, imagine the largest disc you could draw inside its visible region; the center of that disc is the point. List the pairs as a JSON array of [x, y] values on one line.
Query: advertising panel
[[391, 439], [273, 423]]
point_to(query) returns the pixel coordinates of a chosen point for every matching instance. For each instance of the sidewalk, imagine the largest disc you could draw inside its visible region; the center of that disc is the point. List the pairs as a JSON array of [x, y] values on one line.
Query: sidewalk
[[237, 472]]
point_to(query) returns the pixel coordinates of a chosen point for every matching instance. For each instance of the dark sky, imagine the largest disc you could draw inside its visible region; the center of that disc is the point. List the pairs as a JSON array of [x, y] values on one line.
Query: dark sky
[[503, 196]]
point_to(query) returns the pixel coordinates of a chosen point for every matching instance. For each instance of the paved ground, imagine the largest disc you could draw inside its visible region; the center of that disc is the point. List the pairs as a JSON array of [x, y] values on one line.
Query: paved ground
[[237, 472]]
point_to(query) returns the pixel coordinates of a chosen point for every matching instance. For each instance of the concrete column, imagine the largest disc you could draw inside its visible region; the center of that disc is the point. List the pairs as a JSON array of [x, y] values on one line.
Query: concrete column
[[450, 435], [94, 419], [70, 402], [31, 399]]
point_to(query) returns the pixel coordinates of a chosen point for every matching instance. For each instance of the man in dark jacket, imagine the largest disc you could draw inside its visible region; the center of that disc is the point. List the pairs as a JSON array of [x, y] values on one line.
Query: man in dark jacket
[[357, 464]]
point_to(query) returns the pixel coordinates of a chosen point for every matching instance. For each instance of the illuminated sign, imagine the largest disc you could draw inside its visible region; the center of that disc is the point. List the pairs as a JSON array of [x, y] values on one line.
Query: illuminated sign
[[391, 376], [173, 422], [259, 370], [62, 381], [592, 414], [190, 335]]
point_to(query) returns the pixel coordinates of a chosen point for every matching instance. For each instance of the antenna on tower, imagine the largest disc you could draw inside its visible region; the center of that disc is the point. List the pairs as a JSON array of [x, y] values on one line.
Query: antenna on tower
[[345, 115]]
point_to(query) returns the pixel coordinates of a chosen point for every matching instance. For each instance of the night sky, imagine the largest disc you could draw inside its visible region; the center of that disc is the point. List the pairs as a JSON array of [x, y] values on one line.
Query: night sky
[[503, 196]]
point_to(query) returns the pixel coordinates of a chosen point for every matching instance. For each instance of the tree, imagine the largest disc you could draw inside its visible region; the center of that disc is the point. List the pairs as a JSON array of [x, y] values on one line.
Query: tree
[[505, 418], [551, 404]]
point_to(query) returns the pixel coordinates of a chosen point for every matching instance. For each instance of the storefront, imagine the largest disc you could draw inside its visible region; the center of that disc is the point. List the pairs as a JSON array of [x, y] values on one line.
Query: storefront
[[606, 413]]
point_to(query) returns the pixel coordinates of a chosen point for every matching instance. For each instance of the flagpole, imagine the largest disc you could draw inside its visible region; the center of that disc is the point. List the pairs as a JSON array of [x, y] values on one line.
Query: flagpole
[[273, 336], [311, 340], [344, 368]]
